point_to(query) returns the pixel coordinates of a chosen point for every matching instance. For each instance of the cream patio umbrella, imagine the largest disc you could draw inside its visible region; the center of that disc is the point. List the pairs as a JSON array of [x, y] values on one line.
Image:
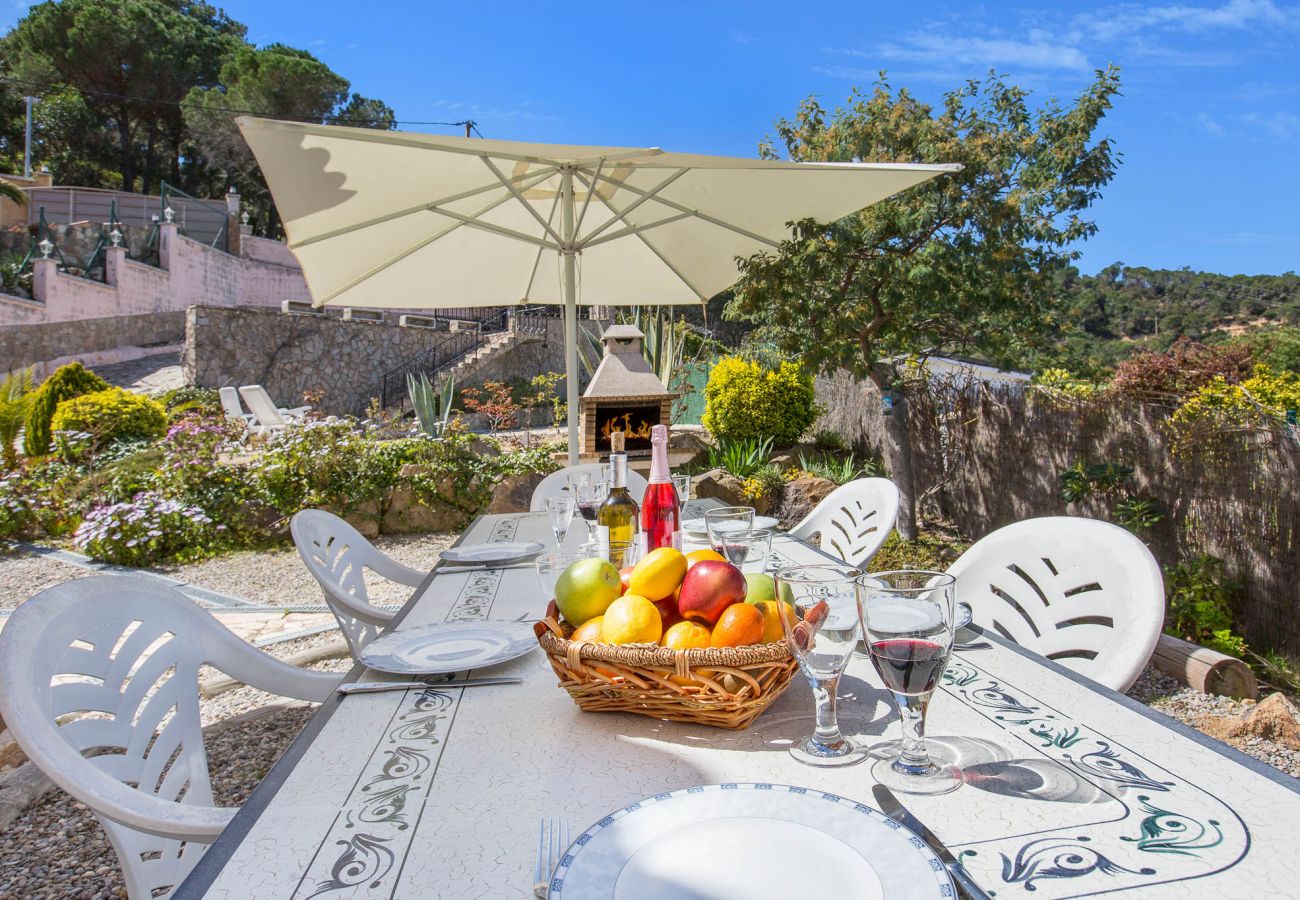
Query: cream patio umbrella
[[394, 219]]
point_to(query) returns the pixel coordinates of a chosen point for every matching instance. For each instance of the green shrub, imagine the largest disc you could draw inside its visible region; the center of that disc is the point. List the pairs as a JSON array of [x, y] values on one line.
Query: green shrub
[[766, 483], [744, 400], [189, 399], [146, 529], [67, 382], [839, 468], [1200, 601], [741, 457], [828, 441], [111, 415], [930, 551]]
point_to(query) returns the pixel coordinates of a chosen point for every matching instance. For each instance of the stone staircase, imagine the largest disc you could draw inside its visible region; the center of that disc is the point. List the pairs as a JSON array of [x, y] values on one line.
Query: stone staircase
[[469, 366]]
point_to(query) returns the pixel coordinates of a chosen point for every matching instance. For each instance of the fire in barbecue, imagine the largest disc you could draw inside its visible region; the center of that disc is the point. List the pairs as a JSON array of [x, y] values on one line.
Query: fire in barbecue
[[623, 423]]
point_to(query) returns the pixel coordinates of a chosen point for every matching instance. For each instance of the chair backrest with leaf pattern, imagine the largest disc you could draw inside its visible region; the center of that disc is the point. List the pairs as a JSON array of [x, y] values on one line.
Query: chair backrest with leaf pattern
[[1082, 592], [853, 520]]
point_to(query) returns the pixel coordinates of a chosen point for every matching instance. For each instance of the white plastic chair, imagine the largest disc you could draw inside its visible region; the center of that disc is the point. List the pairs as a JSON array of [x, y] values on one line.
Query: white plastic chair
[[267, 414], [336, 554], [126, 652], [853, 520], [555, 484], [233, 408], [1082, 592]]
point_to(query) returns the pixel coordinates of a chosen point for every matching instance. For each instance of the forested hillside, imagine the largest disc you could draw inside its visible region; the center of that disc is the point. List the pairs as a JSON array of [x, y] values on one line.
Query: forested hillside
[[1124, 308]]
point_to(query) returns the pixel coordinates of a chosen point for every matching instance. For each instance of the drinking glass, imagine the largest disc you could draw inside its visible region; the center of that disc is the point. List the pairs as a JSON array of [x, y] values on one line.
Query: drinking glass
[[729, 528], [550, 566], [822, 630], [623, 553], [682, 484], [560, 510], [590, 495], [907, 619], [759, 552]]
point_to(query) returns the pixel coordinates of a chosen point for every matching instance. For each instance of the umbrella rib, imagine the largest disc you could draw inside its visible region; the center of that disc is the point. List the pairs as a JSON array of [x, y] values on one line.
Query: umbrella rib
[[705, 217], [420, 245], [649, 195], [586, 201], [651, 247], [537, 260], [495, 229], [635, 229], [520, 197], [411, 210]]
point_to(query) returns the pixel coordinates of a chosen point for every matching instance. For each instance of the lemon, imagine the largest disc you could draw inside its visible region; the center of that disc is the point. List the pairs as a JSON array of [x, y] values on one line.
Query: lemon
[[659, 574], [631, 619]]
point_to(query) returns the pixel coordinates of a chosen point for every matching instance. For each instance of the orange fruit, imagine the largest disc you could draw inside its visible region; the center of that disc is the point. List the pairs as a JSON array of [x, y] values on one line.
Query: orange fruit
[[700, 555], [589, 631], [658, 574], [685, 636], [631, 619], [772, 610], [739, 625]]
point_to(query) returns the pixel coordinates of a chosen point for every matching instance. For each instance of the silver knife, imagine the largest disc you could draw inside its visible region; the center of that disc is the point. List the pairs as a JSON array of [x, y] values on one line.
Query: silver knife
[[374, 687], [891, 807]]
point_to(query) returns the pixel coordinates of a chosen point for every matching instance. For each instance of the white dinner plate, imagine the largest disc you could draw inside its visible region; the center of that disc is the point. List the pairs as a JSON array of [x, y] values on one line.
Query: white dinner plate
[[697, 526], [748, 841], [492, 553], [448, 647]]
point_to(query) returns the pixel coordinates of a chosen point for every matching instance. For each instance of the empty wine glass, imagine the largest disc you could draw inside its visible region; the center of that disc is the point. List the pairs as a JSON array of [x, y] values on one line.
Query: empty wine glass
[[729, 528], [590, 495], [759, 552], [907, 619], [560, 511], [682, 484], [822, 630]]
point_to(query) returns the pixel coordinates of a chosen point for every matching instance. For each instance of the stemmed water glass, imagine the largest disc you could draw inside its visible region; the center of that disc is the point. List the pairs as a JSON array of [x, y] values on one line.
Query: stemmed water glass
[[907, 619], [729, 528], [591, 494], [560, 511], [822, 629]]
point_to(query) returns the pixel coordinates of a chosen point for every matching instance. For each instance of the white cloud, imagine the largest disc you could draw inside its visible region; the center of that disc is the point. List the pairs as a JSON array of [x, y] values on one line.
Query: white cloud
[[1280, 126], [1037, 51], [1206, 121], [1109, 23]]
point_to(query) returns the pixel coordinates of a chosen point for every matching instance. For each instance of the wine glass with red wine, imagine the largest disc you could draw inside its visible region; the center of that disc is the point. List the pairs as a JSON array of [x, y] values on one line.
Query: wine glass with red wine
[[907, 620]]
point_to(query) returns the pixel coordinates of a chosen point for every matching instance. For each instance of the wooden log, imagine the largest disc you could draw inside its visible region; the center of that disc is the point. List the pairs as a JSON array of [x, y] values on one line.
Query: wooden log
[[1203, 669]]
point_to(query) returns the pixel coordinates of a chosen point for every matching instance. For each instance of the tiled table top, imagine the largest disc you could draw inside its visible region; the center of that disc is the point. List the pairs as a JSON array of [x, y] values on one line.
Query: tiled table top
[[1071, 790]]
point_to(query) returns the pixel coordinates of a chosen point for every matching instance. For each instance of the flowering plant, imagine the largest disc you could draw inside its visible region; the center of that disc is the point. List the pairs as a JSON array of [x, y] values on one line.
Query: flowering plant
[[145, 529]]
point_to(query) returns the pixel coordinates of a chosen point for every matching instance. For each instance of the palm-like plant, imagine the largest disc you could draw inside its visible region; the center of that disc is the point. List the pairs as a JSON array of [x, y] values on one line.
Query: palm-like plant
[[12, 192], [15, 399]]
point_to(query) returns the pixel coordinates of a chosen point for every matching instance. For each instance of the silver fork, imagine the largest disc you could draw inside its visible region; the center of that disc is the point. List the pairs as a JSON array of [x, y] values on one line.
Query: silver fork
[[552, 841]]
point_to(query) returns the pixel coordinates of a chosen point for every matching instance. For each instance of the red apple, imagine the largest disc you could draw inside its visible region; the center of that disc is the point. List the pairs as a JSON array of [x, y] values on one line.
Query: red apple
[[667, 611], [625, 576], [709, 588]]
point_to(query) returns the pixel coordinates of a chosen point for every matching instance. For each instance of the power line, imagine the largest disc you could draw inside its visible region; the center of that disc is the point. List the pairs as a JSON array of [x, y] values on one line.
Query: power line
[[467, 123]]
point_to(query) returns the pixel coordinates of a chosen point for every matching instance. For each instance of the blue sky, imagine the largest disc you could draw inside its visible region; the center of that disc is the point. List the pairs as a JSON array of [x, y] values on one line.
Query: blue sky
[[1209, 124]]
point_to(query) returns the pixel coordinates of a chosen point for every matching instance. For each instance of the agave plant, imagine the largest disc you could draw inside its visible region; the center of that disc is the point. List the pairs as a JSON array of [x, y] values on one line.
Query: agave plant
[[15, 399], [742, 457], [432, 407]]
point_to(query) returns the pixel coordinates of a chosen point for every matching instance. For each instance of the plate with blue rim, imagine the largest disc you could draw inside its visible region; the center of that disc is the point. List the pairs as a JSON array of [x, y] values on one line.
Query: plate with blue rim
[[442, 647], [748, 841]]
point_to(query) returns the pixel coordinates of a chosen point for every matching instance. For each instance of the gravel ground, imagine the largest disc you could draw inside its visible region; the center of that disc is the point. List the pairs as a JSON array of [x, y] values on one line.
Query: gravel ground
[[278, 577], [273, 577], [1167, 695], [23, 574]]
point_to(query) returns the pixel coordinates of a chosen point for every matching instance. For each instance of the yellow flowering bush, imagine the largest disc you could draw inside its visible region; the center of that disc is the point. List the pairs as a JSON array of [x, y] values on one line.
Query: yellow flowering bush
[[744, 400], [1266, 394], [1061, 384]]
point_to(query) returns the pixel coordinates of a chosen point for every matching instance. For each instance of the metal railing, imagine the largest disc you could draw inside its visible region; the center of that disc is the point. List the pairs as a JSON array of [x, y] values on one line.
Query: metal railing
[[459, 344]]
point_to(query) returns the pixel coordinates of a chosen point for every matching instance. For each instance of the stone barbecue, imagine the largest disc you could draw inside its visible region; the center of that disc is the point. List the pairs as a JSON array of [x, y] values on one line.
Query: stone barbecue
[[624, 395]]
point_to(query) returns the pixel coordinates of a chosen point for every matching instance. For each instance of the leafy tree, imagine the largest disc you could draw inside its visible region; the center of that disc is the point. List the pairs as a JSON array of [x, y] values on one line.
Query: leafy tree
[[130, 62], [279, 82], [966, 261], [72, 380]]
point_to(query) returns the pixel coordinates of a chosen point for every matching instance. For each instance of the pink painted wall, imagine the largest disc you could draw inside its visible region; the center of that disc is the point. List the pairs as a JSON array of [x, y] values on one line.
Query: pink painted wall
[[191, 274]]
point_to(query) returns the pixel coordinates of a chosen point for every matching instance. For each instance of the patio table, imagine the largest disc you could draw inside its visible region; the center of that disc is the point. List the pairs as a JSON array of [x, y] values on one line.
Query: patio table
[[1072, 789]]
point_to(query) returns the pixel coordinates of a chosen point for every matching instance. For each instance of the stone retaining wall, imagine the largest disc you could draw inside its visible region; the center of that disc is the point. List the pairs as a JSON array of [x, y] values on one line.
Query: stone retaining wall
[[92, 340]]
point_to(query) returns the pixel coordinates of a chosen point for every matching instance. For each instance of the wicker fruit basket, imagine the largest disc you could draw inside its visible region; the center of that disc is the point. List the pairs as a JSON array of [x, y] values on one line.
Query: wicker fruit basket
[[726, 687]]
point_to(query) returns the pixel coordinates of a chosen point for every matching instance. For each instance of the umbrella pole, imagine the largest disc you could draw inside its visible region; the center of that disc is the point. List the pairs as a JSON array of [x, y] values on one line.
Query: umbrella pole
[[570, 312]]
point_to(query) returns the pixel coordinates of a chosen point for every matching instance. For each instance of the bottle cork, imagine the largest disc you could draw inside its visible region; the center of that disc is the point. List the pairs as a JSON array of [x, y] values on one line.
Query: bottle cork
[[616, 442]]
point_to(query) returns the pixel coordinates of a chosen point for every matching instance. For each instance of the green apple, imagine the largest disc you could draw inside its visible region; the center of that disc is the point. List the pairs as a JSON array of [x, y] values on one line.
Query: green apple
[[586, 589], [759, 587]]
